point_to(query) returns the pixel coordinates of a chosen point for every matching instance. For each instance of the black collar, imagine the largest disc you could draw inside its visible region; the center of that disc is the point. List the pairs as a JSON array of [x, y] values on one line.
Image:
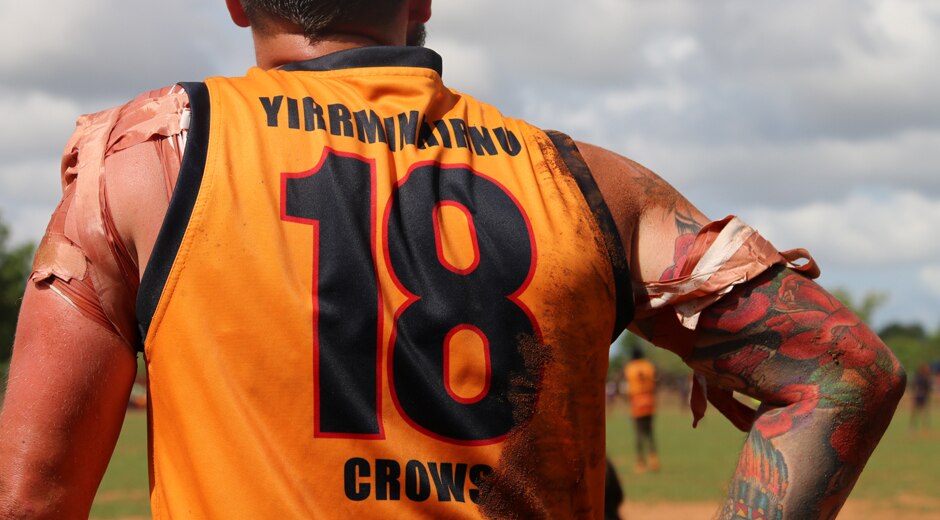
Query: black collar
[[379, 56]]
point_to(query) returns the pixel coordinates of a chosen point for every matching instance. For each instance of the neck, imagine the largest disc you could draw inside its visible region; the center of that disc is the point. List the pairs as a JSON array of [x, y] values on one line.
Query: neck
[[281, 42], [272, 51]]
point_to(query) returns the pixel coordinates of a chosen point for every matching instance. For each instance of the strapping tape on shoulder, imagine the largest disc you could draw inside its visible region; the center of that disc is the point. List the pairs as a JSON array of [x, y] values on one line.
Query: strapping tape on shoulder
[[81, 240], [725, 253], [58, 257]]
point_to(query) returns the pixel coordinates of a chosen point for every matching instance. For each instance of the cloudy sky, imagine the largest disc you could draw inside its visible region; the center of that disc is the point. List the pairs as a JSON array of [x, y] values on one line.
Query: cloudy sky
[[816, 121]]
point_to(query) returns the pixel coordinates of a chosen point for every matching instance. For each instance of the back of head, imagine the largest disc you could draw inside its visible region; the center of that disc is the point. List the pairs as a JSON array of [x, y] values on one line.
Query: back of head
[[636, 353], [318, 17]]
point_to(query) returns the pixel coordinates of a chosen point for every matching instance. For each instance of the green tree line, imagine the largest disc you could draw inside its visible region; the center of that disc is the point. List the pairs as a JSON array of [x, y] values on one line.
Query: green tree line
[[15, 262]]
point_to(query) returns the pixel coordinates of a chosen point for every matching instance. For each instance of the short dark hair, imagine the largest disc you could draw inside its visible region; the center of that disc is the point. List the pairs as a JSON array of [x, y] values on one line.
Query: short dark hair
[[316, 17]]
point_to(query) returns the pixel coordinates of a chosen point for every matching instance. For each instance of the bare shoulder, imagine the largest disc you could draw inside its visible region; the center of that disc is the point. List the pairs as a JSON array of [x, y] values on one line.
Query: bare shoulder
[[116, 170], [629, 184], [137, 197], [142, 165], [649, 212]]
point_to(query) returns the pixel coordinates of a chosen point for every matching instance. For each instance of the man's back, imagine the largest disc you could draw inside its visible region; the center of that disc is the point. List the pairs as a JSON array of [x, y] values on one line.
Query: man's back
[[405, 304]]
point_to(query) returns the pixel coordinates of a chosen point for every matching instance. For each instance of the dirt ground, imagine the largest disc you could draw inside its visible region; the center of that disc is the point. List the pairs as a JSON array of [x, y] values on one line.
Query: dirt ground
[[905, 508]]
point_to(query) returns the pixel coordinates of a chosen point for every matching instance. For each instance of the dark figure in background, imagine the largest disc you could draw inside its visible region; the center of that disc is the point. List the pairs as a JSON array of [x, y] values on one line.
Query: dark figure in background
[[921, 397]]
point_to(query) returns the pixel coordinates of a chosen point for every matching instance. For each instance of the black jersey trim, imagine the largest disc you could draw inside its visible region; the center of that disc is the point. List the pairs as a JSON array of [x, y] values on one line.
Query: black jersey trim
[[605, 221], [180, 209], [381, 56]]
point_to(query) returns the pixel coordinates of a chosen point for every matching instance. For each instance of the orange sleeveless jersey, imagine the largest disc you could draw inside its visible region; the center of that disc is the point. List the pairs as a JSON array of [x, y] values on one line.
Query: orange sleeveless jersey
[[641, 386], [374, 297]]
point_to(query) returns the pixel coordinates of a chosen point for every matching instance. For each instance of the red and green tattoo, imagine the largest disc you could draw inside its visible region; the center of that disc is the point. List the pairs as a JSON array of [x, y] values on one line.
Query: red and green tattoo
[[828, 385]]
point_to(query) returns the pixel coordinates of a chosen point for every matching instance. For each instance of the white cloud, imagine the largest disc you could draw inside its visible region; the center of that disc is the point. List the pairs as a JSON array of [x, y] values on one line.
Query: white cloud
[[930, 276], [35, 124], [29, 192], [859, 230], [31, 182], [467, 67], [910, 24], [27, 223], [591, 42], [787, 173], [641, 123], [762, 70], [671, 51], [51, 29], [885, 80], [102, 50]]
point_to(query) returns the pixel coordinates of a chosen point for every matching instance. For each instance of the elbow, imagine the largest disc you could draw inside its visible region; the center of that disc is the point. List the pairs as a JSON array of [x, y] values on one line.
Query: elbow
[[872, 379], [886, 403], [897, 379], [21, 502], [887, 384], [13, 508], [899, 385], [18, 509]]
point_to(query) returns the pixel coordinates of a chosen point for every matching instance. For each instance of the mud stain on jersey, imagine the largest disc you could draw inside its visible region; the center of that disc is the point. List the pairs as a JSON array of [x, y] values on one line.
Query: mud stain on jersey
[[553, 465], [560, 452], [508, 491]]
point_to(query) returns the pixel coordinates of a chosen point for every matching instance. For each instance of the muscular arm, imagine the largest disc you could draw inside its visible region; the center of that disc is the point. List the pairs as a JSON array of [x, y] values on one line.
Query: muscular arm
[[828, 385], [69, 384], [72, 373]]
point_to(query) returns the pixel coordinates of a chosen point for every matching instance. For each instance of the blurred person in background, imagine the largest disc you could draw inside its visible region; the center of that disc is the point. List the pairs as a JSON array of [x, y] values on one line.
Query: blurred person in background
[[922, 387], [641, 392]]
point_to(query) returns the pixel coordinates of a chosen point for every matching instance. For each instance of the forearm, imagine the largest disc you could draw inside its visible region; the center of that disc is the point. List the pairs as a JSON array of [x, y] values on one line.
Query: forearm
[[50, 468], [829, 386], [802, 460], [64, 407]]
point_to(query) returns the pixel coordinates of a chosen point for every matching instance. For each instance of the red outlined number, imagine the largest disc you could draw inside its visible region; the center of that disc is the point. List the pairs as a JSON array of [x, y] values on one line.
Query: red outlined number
[[442, 300], [439, 237], [488, 369], [336, 197]]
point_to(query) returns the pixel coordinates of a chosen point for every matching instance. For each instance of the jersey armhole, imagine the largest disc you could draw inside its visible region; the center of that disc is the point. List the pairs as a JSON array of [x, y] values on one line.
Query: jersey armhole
[[167, 245], [575, 163]]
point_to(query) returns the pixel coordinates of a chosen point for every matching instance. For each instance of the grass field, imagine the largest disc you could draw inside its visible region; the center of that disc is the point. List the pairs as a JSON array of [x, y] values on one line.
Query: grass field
[[903, 477], [125, 490]]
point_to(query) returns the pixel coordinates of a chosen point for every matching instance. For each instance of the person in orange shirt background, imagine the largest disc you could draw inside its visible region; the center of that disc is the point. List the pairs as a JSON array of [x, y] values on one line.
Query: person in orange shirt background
[[641, 391]]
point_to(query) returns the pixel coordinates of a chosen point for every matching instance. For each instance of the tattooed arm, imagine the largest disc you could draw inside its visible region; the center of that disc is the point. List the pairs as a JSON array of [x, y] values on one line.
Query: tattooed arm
[[828, 385]]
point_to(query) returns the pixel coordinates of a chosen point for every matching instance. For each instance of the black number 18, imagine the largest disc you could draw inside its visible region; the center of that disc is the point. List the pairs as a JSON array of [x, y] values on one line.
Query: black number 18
[[337, 198]]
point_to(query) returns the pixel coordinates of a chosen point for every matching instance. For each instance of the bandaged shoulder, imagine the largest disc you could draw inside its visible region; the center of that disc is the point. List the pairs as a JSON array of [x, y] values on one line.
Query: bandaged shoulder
[[82, 257], [725, 253]]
